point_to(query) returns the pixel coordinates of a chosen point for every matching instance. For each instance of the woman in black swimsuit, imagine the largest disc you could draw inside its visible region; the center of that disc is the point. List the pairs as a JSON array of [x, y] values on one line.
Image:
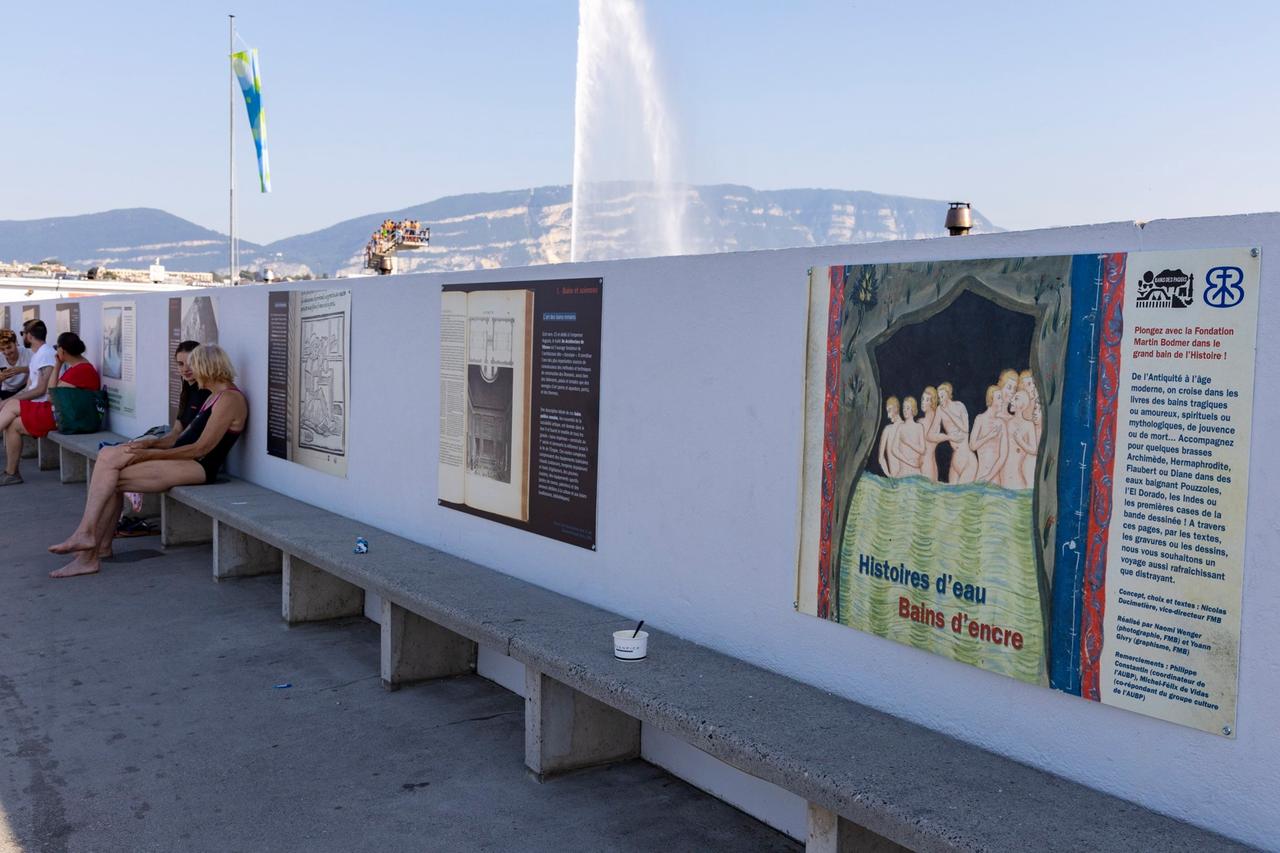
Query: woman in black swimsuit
[[195, 458]]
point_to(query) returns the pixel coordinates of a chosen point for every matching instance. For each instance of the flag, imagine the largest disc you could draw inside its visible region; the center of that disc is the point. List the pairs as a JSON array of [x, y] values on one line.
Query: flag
[[245, 65]]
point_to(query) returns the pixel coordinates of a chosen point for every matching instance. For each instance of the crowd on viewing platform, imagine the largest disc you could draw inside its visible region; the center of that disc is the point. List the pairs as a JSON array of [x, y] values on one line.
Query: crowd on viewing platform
[[392, 235]]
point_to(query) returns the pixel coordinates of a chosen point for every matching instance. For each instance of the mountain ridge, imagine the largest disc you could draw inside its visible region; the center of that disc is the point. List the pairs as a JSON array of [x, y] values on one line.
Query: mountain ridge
[[501, 228]]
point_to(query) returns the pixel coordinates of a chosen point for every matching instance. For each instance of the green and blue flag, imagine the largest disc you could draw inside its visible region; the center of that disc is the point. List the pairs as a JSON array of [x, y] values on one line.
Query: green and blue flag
[[244, 64]]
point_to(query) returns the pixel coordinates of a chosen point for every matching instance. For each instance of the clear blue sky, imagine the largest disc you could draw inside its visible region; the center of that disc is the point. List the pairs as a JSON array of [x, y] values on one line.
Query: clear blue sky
[[1040, 113]]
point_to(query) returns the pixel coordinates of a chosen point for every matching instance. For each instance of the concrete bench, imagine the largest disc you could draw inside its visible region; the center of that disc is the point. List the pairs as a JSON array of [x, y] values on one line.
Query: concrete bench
[[76, 453], [41, 449], [873, 781], [75, 457]]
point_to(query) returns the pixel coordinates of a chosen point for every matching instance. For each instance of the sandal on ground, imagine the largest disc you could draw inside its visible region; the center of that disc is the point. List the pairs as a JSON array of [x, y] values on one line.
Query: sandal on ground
[[134, 527]]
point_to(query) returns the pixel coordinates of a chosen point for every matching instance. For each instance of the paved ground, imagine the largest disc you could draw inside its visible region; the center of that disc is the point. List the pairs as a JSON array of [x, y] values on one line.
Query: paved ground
[[138, 712]]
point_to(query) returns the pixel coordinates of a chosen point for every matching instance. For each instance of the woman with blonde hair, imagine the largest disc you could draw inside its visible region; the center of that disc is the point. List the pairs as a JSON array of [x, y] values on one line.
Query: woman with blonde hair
[[195, 458]]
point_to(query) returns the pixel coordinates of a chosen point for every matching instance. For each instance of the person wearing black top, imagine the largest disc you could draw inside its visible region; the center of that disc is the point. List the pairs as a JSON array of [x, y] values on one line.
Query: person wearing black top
[[189, 401], [193, 459]]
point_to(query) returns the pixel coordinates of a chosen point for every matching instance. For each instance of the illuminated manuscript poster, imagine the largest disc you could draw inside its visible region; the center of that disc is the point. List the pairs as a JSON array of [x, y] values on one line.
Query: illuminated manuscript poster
[[309, 377], [520, 404], [1038, 466]]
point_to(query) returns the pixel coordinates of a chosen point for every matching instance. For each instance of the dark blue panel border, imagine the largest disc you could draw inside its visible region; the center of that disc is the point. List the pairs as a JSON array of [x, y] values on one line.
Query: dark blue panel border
[[1075, 456]]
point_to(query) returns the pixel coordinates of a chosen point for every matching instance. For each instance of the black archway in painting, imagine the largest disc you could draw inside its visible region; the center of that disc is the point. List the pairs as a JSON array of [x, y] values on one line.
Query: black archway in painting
[[968, 343]]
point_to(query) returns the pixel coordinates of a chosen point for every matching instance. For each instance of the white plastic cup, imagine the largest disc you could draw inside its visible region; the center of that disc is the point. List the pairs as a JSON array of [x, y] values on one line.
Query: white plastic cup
[[627, 647]]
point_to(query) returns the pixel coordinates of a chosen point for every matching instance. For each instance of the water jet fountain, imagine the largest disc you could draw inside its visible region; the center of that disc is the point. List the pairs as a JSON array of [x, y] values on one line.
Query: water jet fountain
[[626, 199]]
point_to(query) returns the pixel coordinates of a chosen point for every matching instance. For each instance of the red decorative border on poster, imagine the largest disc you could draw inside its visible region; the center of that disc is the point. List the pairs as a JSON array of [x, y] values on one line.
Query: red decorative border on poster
[[1110, 337], [831, 434]]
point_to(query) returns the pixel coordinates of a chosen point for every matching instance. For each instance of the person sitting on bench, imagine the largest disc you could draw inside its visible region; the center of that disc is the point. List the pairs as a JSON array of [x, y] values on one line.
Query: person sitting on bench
[[195, 458], [31, 412], [13, 369], [190, 399]]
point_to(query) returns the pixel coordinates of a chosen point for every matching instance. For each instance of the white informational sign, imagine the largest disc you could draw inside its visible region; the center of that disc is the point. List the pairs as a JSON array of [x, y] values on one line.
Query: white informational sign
[[1176, 553], [117, 365]]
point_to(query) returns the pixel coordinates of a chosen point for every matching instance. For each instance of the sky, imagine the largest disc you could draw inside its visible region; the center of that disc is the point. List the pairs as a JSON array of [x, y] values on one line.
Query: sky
[[1040, 114]]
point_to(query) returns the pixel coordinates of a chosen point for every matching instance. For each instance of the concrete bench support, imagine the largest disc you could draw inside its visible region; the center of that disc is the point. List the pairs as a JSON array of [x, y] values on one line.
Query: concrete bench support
[[29, 449], [150, 505], [72, 467], [566, 730], [238, 555], [181, 525], [416, 649], [830, 833], [47, 453], [310, 594]]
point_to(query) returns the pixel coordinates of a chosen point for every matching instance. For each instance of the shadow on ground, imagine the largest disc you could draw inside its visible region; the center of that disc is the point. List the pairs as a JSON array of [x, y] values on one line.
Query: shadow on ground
[[139, 710]]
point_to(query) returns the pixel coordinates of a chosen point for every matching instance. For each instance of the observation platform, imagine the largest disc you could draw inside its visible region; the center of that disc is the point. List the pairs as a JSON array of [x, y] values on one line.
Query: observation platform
[[139, 710]]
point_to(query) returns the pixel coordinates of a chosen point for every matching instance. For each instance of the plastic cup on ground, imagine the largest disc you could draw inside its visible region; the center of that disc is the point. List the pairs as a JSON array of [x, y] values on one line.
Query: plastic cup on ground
[[627, 647]]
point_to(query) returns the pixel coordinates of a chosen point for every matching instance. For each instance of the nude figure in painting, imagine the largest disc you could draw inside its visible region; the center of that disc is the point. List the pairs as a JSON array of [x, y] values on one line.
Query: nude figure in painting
[[889, 463], [1019, 469], [952, 424], [909, 444], [1027, 383], [1008, 385], [989, 440], [929, 414]]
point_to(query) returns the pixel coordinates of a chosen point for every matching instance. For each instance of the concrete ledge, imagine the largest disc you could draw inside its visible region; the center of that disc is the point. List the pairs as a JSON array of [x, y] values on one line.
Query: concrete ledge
[[86, 444], [310, 594], [416, 649], [72, 466], [181, 525], [830, 833], [566, 730], [884, 776], [29, 449], [238, 555], [47, 453], [76, 453]]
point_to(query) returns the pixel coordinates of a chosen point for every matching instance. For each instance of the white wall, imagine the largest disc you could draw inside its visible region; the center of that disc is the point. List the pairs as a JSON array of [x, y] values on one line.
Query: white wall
[[702, 384]]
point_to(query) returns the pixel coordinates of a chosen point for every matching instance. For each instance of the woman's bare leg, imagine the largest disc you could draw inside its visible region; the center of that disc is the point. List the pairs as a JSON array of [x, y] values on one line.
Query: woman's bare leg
[[90, 561], [102, 490]]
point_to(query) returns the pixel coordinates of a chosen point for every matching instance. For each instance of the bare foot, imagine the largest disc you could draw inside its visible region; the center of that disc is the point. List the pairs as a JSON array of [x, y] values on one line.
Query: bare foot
[[76, 542], [81, 565], [105, 552]]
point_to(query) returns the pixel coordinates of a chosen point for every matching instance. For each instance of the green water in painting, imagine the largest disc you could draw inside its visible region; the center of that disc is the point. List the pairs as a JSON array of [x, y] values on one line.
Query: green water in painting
[[980, 534]]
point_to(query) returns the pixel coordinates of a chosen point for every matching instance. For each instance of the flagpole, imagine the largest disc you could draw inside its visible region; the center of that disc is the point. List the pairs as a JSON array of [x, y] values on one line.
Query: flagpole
[[231, 138]]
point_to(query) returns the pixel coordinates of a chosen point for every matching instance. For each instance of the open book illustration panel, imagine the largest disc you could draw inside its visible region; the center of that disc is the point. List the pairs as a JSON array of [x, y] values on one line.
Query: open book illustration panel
[[519, 404]]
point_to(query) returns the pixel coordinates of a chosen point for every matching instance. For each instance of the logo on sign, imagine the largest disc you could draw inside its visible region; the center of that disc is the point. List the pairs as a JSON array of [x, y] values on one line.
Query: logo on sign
[[1166, 289], [1224, 287]]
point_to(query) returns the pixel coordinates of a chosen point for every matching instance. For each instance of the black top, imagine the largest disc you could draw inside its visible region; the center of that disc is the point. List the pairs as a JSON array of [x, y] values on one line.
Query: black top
[[213, 460], [195, 399]]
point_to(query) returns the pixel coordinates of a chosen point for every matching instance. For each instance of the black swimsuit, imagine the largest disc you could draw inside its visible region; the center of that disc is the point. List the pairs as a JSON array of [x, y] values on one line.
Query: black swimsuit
[[212, 461]]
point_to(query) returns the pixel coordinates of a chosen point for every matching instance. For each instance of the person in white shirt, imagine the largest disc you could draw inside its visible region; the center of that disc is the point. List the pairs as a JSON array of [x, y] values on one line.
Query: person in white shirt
[[13, 364], [39, 376]]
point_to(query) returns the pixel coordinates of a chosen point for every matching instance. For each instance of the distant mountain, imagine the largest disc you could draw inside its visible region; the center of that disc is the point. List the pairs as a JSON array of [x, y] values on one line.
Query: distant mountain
[[131, 238], [487, 230]]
